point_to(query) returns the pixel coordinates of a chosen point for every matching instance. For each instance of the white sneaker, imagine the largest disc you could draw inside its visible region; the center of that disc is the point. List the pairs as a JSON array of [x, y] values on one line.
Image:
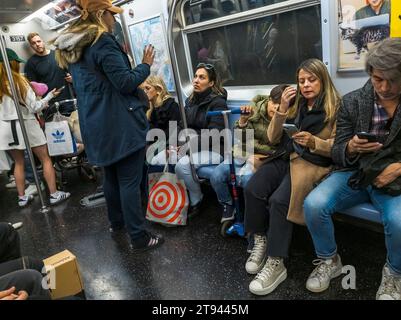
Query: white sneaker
[[258, 256], [17, 225], [24, 200], [12, 184], [59, 196], [390, 286], [273, 273], [33, 190], [327, 269]]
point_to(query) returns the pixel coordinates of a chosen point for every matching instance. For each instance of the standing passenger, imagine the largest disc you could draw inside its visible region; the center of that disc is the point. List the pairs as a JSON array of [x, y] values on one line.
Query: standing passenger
[[11, 137], [112, 117], [42, 67]]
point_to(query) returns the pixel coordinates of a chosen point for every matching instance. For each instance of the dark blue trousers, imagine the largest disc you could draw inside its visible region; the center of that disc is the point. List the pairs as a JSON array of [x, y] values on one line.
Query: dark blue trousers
[[122, 191]]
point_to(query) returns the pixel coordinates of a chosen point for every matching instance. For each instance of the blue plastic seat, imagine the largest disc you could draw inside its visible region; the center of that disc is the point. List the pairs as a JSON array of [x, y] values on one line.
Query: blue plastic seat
[[365, 211]]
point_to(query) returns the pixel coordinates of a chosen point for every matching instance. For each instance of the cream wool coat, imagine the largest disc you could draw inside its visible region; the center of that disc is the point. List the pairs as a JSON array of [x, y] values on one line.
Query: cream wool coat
[[304, 174]]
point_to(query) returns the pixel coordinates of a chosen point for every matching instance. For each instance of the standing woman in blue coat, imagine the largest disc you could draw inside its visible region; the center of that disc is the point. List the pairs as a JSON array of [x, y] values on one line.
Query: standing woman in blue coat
[[112, 117]]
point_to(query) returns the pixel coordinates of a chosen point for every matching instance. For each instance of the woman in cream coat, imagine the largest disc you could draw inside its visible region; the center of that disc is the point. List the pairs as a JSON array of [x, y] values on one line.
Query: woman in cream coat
[[274, 196]]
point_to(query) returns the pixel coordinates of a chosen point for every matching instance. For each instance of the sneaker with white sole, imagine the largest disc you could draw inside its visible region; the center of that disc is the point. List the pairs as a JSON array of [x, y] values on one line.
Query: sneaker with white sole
[[24, 200], [258, 257], [228, 213], [272, 274], [390, 286], [17, 225], [33, 190], [58, 197], [327, 269], [13, 185]]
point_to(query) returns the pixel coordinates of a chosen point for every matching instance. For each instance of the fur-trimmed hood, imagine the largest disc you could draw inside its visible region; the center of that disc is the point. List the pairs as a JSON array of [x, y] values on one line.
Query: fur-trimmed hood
[[70, 46]]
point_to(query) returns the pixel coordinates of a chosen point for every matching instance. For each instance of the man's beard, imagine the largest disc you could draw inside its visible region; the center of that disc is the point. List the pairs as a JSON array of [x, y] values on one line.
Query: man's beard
[[40, 50]]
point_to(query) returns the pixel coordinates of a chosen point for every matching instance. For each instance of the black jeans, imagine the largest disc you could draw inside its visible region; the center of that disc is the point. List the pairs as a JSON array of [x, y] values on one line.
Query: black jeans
[[9, 243], [267, 198], [21, 264], [122, 191], [27, 280]]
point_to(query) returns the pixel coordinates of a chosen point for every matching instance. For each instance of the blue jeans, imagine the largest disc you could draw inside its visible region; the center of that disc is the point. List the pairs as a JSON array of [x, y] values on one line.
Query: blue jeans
[[220, 181], [183, 171], [334, 195]]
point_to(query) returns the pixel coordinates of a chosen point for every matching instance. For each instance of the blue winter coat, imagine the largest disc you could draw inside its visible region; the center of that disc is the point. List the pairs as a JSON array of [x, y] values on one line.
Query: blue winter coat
[[112, 117]]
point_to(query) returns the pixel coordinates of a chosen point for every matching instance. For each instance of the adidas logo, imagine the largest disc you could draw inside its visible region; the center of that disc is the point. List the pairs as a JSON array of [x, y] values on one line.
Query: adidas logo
[[58, 136]]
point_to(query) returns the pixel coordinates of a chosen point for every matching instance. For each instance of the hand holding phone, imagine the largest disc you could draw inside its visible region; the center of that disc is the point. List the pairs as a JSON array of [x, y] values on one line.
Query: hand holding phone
[[368, 144], [290, 129], [368, 136]]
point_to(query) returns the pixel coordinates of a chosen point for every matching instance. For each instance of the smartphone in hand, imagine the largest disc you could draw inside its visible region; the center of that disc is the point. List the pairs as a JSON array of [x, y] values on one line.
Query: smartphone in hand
[[291, 129], [368, 136]]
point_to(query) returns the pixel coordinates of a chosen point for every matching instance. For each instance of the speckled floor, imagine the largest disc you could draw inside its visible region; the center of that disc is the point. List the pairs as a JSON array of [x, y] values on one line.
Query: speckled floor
[[194, 263]]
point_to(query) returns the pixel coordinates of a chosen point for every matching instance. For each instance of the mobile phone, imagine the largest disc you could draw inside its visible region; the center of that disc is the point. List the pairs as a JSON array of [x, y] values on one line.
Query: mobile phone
[[368, 136], [291, 129]]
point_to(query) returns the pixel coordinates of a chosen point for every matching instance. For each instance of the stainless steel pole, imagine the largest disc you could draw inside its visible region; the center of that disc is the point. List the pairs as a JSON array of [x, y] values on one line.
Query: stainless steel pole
[[174, 66], [21, 120]]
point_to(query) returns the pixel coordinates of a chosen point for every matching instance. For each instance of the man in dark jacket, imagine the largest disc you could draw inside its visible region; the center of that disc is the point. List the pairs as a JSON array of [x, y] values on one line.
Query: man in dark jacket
[[374, 109]]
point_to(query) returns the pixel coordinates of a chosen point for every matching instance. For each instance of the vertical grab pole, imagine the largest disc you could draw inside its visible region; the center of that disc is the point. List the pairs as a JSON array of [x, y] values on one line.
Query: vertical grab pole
[[21, 121], [174, 66]]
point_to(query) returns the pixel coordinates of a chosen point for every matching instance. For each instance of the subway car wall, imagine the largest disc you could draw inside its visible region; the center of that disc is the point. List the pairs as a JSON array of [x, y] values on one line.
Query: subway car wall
[[247, 71]]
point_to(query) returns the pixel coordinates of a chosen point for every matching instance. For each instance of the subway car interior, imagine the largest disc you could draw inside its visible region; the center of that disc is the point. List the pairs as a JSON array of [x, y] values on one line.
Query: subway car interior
[[66, 220]]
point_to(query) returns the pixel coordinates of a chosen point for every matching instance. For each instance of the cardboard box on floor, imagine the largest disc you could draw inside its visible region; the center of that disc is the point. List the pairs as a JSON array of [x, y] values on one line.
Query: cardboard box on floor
[[63, 275]]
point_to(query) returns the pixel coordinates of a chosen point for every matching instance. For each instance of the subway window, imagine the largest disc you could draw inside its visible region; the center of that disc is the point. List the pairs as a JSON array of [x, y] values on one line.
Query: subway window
[[204, 10], [260, 52]]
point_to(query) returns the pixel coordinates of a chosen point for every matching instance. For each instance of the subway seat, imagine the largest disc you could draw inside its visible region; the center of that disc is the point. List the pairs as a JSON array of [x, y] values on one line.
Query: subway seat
[[365, 211]]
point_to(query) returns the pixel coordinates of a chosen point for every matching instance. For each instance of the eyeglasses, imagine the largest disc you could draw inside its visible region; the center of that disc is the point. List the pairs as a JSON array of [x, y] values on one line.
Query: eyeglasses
[[207, 66]]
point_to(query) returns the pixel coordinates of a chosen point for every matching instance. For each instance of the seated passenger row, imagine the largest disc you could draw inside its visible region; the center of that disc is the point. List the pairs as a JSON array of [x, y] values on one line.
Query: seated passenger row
[[350, 146]]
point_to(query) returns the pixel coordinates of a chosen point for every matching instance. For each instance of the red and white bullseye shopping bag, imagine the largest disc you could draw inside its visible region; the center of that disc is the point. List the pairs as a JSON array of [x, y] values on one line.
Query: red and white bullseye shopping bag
[[168, 201]]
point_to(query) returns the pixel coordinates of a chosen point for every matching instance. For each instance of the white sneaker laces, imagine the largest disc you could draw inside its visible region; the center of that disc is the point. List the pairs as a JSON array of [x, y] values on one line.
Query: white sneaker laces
[[322, 271], [268, 269], [391, 286], [259, 249]]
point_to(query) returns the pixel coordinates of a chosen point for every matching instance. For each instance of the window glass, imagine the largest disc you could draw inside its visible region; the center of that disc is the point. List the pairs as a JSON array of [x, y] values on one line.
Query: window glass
[[260, 52], [203, 10]]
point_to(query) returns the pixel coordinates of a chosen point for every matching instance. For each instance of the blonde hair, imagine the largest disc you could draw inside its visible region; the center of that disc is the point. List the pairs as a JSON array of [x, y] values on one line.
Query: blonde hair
[[20, 81], [329, 94], [161, 88], [93, 26], [32, 35], [158, 83]]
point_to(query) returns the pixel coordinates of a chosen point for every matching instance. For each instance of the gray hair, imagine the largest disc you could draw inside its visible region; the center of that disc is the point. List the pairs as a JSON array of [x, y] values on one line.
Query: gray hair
[[386, 57]]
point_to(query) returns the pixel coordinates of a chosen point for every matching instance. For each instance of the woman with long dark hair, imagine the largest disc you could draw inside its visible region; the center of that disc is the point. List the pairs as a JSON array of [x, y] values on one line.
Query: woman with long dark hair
[[208, 95]]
